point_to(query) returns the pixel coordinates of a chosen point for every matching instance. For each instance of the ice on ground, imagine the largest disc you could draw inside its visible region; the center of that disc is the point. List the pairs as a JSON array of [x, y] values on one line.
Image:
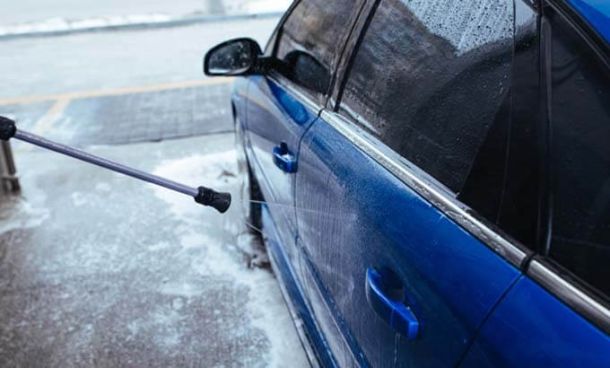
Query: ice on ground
[[78, 199], [21, 214], [266, 6], [224, 252], [213, 171], [63, 24], [122, 275], [58, 24], [103, 187]]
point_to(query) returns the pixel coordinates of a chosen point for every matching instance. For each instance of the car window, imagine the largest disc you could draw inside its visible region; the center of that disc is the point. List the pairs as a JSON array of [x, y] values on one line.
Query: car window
[[441, 91], [580, 155], [311, 38], [431, 78]]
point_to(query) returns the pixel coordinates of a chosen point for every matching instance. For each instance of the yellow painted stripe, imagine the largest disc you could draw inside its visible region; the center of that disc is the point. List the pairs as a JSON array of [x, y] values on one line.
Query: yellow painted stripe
[[45, 123], [115, 91]]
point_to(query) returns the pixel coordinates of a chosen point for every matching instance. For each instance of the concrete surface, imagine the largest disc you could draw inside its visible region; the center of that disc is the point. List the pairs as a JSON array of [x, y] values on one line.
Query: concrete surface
[[99, 61], [154, 114], [100, 270], [15, 12]]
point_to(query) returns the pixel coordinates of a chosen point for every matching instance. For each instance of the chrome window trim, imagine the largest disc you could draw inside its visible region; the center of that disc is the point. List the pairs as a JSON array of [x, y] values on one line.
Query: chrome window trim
[[436, 194], [570, 294], [446, 202]]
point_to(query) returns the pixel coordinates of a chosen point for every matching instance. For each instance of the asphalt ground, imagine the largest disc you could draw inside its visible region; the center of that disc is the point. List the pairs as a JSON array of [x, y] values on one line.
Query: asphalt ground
[[100, 270], [126, 115]]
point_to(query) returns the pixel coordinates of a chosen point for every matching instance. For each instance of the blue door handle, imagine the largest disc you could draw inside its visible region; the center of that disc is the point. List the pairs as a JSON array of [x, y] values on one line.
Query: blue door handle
[[394, 312], [284, 159]]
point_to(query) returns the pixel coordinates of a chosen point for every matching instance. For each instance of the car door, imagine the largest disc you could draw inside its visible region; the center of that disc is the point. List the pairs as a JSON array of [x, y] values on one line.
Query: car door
[[558, 315], [400, 183], [284, 102]]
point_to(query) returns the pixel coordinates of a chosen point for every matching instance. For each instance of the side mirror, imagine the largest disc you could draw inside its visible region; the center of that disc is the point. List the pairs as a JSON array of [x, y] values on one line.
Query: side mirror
[[232, 58]]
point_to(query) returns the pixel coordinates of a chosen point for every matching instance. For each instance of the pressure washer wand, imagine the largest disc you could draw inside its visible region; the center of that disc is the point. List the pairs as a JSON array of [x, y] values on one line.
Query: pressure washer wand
[[202, 195]]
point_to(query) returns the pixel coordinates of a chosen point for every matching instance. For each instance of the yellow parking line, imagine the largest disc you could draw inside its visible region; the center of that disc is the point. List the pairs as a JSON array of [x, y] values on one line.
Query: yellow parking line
[[45, 123], [114, 92]]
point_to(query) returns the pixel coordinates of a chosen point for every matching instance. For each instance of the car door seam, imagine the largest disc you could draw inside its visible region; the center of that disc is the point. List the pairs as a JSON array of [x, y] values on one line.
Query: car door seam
[[487, 316]]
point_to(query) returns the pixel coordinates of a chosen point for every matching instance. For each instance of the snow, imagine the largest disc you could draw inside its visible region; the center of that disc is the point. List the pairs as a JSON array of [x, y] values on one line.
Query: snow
[[264, 6], [223, 254], [78, 199], [23, 215], [62, 24], [213, 171], [58, 24], [103, 187]]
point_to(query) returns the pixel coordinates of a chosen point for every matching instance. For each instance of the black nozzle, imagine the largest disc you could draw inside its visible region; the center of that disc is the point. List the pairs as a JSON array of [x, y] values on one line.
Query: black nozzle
[[8, 128], [208, 197]]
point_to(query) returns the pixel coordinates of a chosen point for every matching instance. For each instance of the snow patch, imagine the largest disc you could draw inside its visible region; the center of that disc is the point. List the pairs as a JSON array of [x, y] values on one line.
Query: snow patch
[[258, 6], [63, 25], [58, 24], [159, 246], [215, 170], [103, 187], [22, 216], [194, 240], [78, 199], [224, 249], [183, 289]]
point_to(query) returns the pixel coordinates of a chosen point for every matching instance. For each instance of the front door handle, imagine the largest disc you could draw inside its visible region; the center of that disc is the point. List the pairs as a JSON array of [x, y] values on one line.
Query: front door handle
[[284, 159], [392, 309]]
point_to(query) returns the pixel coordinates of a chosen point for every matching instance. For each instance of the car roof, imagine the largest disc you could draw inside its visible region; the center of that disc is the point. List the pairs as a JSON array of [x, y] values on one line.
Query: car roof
[[596, 13]]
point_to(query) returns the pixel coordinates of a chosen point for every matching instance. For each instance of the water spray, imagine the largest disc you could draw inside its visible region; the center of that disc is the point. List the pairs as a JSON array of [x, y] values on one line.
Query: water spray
[[202, 195]]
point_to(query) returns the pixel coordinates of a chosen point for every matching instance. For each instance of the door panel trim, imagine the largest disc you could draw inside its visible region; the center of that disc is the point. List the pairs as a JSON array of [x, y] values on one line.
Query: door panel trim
[[570, 294], [435, 193], [310, 102], [445, 201]]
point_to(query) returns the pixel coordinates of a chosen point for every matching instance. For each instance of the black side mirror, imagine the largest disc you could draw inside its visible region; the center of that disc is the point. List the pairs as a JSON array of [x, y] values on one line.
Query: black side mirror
[[232, 58]]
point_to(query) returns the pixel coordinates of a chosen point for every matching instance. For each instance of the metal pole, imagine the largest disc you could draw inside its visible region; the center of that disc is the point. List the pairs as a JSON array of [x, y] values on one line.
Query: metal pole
[[111, 165], [202, 195], [10, 181]]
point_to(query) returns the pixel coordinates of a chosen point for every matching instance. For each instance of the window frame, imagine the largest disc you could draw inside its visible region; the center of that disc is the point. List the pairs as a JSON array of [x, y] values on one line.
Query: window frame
[[559, 281], [417, 179], [565, 287], [313, 99]]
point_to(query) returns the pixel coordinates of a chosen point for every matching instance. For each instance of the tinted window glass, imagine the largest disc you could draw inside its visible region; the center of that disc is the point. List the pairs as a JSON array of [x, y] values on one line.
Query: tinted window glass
[[431, 78], [311, 39], [512, 189], [580, 152]]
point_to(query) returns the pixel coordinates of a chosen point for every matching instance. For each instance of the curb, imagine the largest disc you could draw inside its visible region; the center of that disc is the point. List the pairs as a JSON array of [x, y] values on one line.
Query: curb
[[69, 28]]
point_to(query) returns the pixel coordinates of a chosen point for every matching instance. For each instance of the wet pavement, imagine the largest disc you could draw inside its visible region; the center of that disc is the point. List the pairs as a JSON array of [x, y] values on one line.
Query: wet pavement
[[97, 269], [100, 270], [127, 116], [111, 60]]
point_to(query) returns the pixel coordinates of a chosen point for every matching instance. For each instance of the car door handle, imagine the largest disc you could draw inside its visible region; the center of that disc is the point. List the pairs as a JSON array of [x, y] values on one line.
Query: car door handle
[[284, 159], [393, 311]]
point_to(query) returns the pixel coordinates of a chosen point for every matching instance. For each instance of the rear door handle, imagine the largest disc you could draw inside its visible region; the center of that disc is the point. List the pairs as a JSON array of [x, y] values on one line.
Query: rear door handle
[[393, 311], [284, 159]]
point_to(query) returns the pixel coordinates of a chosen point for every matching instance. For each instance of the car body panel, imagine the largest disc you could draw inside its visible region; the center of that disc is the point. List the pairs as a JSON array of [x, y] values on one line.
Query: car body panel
[[293, 292], [532, 328], [343, 212], [276, 116], [597, 14], [353, 214]]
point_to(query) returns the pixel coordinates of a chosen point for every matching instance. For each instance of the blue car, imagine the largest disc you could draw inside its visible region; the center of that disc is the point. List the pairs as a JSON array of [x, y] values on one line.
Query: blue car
[[432, 177]]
